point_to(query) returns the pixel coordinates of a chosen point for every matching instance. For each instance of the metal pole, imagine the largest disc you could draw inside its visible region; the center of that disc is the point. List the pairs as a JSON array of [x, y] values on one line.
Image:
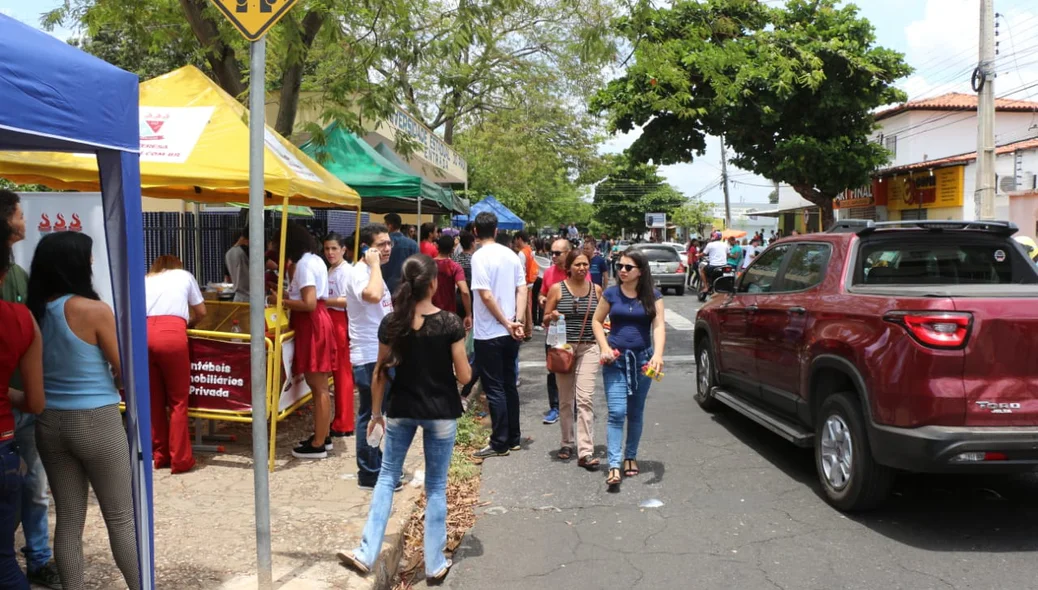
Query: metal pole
[[198, 244], [724, 185], [985, 193], [419, 236], [261, 483]]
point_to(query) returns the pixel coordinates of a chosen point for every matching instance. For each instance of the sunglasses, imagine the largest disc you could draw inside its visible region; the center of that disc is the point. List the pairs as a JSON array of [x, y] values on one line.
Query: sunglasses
[[557, 253], [626, 267]]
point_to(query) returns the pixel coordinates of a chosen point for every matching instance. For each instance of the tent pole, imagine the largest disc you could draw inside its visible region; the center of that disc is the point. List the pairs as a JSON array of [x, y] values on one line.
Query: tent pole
[[260, 476], [279, 312], [198, 242], [356, 237], [419, 217]]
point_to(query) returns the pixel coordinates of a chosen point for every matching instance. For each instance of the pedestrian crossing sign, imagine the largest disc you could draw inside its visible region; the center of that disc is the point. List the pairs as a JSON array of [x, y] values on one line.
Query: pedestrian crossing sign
[[253, 18]]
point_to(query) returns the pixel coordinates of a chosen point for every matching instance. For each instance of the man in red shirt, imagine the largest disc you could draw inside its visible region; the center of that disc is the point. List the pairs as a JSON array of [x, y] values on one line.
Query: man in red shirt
[[428, 244], [555, 273], [449, 278]]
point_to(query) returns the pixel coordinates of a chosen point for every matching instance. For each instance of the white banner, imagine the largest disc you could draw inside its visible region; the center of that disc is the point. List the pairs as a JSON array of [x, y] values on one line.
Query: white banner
[[169, 134], [295, 387], [47, 213]]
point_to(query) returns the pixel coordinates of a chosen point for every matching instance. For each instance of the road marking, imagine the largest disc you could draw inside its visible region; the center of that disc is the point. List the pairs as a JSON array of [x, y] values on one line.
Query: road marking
[[676, 359], [679, 322]]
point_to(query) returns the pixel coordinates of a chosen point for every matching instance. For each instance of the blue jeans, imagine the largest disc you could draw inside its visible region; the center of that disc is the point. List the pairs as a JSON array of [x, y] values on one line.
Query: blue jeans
[[496, 360], [438, 444], [11, 575], [553, 386], [369, 458], [33, 501], [626, 389]]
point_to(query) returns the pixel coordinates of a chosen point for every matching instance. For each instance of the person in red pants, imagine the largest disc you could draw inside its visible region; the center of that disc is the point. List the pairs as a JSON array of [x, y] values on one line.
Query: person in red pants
[[174, 303], [338, 269]]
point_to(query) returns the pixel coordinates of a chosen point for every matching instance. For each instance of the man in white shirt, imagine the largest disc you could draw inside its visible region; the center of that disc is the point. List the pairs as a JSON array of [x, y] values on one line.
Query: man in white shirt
[[499, 282], [750, 252], [237, 261], [716, 254], [368, 300]]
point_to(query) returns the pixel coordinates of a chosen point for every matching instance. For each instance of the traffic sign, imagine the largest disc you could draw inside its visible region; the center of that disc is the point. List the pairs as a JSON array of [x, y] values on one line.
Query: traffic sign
[[253, 18]]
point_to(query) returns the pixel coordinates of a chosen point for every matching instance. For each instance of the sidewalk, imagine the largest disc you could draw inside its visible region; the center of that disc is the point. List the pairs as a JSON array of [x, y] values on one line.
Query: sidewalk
[[205, 528]]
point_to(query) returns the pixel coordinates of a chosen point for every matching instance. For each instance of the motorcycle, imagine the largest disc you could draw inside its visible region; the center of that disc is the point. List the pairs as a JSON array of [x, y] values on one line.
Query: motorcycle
[[712, 275]]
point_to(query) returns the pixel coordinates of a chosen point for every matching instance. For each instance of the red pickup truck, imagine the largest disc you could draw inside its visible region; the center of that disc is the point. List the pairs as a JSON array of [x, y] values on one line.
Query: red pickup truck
[[884, 346]]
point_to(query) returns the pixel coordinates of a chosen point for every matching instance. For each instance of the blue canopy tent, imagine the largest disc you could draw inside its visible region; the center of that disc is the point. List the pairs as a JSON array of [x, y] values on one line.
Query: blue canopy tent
[[506, 220], [58, 99]]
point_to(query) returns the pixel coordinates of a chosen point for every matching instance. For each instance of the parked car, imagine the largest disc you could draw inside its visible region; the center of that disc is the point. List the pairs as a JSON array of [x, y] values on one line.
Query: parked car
[[885, 347], [681, 249], [667, 270]]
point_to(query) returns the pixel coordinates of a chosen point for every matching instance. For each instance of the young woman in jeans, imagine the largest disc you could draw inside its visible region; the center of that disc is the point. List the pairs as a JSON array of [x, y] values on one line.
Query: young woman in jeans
[[576, 299], [21, 349], [80, 434], [426, 346], [635, 309]]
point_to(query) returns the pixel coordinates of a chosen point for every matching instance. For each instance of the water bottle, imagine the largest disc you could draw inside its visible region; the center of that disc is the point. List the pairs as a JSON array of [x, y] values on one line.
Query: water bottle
[[236, 329], [375, 438], [561, 331], [553, 335]]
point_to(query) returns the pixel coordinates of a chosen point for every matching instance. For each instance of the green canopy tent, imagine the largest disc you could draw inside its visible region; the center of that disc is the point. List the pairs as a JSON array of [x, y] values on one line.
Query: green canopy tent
[[383, 186], [459, 205]]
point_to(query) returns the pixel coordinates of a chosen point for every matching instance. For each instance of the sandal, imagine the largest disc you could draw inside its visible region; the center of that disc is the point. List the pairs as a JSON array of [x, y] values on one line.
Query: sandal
[[614, 477], [565, 454], [588, 462], [437, 579], [351, 561], [630, 467]]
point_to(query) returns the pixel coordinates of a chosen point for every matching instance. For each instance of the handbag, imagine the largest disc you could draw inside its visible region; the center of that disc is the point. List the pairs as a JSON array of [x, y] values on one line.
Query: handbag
[[563, 360]]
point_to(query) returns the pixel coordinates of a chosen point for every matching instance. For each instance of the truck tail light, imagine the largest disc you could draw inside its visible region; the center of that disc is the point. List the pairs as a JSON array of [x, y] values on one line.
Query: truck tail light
[[681, 268], [979, 457], [945, 330]]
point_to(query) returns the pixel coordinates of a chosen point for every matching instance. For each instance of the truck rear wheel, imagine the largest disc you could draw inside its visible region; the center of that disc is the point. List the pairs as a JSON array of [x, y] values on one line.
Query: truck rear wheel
[[705, 380], [851, 479]]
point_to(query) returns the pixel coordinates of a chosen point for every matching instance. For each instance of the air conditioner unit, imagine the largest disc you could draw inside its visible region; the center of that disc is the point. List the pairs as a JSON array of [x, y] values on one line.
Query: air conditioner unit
[[1006, 184]]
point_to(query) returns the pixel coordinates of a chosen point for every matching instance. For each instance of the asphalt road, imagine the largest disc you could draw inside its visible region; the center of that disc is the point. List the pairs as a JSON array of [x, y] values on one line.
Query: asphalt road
[[740, 509]]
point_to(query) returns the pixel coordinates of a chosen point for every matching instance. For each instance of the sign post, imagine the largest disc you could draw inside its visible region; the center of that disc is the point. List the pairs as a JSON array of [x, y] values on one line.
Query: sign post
[[253, 18]]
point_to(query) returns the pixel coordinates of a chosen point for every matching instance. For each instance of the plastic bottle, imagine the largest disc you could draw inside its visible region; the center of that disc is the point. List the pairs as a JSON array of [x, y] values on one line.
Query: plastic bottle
[[236, 329], [561, 331], [553, 334], [375, 438]]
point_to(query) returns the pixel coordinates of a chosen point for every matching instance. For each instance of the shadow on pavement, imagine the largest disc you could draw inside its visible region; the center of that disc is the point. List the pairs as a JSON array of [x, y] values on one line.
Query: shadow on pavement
[[973, 513]]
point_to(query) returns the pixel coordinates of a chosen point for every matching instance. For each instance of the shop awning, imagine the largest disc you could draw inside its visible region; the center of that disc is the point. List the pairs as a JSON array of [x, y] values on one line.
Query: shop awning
[[452, 201], [778, 212], [383, 185], [194, 145]]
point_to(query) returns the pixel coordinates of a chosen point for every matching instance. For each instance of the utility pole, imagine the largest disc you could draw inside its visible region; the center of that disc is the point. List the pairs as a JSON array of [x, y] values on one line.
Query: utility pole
[[984, 85], [724, 186]]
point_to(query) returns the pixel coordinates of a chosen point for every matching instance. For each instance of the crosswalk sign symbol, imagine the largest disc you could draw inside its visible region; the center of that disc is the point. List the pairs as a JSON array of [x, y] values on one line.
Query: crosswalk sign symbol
[[253, 18]]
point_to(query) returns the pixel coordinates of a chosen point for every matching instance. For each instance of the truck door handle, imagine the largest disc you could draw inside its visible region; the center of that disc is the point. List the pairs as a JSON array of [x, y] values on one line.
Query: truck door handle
[[751, 308], [797, 310]]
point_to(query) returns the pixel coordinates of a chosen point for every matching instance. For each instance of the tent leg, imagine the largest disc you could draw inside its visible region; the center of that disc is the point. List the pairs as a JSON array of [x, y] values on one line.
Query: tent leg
[[356, 237], [419, 217], [275, 391]]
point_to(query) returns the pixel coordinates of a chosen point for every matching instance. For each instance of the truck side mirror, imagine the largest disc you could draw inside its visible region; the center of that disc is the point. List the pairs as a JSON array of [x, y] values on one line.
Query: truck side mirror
[[724, 285]]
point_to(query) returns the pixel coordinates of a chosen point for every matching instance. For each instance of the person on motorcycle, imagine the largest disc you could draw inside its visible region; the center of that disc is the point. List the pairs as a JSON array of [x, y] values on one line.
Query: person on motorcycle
[[716, 255]]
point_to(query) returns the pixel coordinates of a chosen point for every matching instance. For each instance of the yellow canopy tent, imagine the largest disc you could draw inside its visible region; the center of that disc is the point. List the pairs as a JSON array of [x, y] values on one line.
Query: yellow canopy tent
[[195, 147]]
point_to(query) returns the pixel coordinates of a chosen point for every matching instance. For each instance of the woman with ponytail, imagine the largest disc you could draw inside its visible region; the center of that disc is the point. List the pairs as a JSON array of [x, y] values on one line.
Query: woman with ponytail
[[426, 347], [338, 269]]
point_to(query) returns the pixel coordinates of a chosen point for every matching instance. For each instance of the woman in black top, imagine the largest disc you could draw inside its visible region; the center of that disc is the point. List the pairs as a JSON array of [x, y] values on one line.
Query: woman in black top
[[426, 347]]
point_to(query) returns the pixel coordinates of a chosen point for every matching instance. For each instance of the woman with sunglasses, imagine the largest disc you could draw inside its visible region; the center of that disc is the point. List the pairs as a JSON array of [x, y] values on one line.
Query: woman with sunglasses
[[636, 340]]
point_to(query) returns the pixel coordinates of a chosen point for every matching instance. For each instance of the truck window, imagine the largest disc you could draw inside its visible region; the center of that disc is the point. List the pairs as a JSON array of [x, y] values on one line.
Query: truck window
[[761, 275], [943, 259], [806, 266]]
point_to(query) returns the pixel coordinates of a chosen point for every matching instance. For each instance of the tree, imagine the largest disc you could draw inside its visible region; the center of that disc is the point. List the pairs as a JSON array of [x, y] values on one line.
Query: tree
[[629, 192], [695, 214], [792, 89], [773, 197]]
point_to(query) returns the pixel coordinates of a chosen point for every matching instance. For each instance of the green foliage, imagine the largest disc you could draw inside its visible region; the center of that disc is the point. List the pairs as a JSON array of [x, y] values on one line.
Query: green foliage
[[629, 192], [471, 435], [791, 88], [696, 215]]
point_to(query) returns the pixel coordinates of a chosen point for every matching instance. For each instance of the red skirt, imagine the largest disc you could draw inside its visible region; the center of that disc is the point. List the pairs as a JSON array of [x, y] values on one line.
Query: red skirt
[[315, 347]]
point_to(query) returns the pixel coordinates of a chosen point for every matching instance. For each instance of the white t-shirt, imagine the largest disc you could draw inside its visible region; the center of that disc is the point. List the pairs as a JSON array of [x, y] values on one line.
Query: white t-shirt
[[171, 293], [716, 253], [495, 268], [311, 271], [337, 278], [364, 317], [748, 252]]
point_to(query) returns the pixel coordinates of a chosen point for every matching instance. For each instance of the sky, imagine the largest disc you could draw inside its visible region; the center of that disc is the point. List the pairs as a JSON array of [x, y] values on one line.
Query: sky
[[938, 38]]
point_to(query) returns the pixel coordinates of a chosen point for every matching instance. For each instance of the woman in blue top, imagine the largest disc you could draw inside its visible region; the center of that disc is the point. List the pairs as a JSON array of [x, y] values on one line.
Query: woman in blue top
[[636, 339], [80, 433]]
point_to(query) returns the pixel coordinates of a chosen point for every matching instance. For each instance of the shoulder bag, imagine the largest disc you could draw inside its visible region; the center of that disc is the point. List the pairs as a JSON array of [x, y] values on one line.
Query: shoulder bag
[[562, 360]]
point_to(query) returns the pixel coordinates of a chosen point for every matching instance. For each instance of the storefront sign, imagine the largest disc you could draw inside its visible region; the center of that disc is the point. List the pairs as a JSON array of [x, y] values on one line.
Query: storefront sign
[[434, 149], [927, 190], [220, 375], [859, 197]]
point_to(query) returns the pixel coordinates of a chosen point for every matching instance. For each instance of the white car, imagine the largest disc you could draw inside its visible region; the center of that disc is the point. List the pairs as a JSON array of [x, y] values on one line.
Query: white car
[[680, 249]]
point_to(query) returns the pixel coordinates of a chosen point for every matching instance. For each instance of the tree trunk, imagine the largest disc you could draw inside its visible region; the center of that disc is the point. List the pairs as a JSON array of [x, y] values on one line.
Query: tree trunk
[[823, 201], [220, 56], [292, 75]]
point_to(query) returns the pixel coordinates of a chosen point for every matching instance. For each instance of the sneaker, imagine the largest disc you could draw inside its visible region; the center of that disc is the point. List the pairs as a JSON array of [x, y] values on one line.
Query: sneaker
[[338, 434], [488, 451], [46, 576], [516, 448], [308, 451], [551, 417], [328, 446], [371, 487], [538, 328]]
